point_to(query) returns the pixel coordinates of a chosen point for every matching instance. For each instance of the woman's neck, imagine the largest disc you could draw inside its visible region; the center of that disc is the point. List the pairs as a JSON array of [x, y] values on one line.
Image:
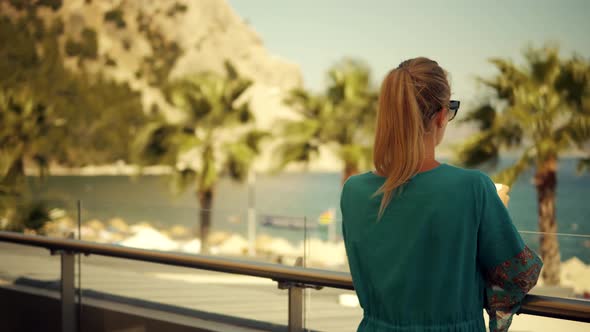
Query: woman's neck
[[429, 162]]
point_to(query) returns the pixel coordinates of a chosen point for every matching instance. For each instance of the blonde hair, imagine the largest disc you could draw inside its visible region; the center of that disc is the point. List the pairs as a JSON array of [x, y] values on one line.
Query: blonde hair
[[410, 95]]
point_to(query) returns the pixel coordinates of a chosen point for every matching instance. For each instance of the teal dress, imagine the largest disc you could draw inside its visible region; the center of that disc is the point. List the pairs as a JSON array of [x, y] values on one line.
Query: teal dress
[[444, 249]]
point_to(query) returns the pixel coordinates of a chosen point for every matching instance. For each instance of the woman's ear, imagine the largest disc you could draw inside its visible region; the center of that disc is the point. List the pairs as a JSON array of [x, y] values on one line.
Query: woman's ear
[[441, 118]]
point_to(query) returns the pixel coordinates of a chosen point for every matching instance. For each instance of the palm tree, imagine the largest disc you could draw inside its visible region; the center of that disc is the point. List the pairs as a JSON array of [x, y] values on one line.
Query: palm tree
[[341, 118], [96, 112], [216, 127], [541, 108], [26, 128], [50, 114]]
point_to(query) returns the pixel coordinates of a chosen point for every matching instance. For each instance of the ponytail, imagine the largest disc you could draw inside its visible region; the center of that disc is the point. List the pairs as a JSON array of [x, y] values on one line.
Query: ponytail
[[405, 101]]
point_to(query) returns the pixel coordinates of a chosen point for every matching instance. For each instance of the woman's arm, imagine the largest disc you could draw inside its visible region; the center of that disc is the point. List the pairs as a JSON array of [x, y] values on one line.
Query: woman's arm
[[511, 268], [506, 286]]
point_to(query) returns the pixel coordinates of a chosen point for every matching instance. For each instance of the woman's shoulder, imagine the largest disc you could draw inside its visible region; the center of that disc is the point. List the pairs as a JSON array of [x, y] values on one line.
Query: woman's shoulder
[[466, 174], [363, 180], [359, 178], [448, 174]]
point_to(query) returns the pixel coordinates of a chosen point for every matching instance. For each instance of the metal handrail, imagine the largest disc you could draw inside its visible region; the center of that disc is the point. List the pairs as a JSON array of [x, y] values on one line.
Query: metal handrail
[[561, 308], [202, 262]]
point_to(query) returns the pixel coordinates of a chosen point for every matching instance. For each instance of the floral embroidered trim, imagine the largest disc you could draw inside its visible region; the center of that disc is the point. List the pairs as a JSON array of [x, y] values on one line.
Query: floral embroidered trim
[[507, 285]]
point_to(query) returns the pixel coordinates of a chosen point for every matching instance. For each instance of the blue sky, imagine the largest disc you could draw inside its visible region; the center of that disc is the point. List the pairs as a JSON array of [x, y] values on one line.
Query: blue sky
[[460, 35]]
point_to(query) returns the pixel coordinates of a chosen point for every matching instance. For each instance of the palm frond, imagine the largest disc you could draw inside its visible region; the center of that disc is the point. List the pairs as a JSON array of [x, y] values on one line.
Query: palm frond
[[212, 105], [254, 138], [484, 115], [186, 142], [182, 179], [349, 79], [244, 114], [239, 158], [341, 118], [575, 132], [8, 156], [299, 130], [574, 83], [156, 143], [233, 89], [503, 84], [301, 152], [546, 103], [230, 70], [544, 64], [356, 154], [510, 174], [308, 105], [477, 149], [507, 133], [583, 165], [240, 154]]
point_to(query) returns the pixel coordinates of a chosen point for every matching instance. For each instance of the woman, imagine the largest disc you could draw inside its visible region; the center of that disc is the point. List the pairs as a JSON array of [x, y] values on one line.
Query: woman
[[429, 245]]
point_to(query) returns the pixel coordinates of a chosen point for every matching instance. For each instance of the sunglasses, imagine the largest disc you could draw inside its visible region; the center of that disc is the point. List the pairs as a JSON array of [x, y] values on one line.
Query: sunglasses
[[453, 109]]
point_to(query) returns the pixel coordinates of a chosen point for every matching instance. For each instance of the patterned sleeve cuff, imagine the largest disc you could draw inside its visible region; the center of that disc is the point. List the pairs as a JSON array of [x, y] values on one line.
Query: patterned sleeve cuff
[[506, 286]]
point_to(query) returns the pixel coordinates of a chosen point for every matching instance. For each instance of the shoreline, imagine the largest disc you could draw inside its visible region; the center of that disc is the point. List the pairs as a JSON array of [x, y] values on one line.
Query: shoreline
[[121, 168]]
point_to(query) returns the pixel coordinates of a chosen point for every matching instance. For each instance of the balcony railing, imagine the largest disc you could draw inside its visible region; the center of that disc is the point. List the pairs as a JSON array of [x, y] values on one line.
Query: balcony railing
[[295, 279]]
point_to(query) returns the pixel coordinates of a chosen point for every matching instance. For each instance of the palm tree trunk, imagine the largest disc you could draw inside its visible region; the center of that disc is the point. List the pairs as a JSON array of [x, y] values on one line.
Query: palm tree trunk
[[15, 179], [546, 183], [350, 169], [206, 202], [14, 185]]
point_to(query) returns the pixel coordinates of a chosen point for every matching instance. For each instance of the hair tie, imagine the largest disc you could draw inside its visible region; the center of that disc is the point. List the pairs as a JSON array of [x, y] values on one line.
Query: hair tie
[[403, 64]]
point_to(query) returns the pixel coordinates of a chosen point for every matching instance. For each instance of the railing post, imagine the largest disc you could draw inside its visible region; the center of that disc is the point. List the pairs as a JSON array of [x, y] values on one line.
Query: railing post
[[296, 298], [68, 305], [295, 309]]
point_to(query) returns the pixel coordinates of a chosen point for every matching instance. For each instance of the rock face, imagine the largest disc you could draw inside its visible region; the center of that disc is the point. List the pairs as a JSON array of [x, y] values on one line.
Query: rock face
[[146, 43]]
